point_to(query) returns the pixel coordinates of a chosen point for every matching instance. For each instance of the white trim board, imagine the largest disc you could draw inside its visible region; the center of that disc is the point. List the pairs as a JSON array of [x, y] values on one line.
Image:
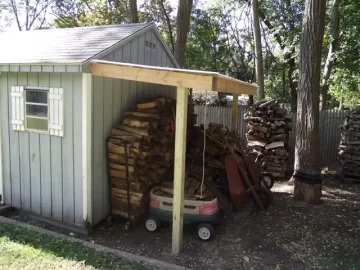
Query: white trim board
[[86, 146], [1, 162]]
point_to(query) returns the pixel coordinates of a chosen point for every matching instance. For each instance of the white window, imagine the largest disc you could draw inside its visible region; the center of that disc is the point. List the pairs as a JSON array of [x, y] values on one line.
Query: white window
[[38, 110]]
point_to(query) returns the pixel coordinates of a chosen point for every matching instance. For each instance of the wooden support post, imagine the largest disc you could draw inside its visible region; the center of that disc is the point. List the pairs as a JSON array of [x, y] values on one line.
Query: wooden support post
[[179, 168], [235, 109]]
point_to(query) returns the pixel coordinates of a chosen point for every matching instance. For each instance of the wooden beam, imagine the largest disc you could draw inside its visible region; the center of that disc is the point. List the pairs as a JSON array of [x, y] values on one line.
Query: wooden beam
[[202, 80], [179, 168], [230, 85], [235, 109], [152, 75]]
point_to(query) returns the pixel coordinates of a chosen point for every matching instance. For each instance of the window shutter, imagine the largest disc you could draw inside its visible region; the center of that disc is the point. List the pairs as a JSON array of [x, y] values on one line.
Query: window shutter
[[18, 108], [56, 112]]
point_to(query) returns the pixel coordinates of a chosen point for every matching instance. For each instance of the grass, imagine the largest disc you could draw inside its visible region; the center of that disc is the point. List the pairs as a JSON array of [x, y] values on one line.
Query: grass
[[21, 248]]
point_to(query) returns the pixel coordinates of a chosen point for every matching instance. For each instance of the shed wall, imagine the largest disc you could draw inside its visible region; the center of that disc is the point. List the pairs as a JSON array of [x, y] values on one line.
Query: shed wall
[[113, 97], [42, 174]]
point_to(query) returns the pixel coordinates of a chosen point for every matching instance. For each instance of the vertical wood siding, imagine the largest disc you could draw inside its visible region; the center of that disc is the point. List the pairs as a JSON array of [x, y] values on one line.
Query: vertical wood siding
[[111, 98], [330, 121], [42, 173]]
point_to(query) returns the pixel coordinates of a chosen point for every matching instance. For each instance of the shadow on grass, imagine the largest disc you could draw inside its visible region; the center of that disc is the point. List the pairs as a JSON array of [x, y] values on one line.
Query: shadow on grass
[[65, 249]]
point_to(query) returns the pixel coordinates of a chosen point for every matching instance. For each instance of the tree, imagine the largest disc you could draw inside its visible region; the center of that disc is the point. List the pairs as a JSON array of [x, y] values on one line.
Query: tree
[[307, 151], [258, 50], [27, 14], [75, 13], [283, 20], [133, 11], [331, 56], [182, 29]]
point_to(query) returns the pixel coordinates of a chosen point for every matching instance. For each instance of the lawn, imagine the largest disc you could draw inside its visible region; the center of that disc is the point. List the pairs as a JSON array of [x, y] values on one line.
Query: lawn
[[21, 248]]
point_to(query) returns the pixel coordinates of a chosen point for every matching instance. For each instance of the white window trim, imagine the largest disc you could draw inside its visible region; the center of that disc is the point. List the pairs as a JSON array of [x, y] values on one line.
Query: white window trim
[[55, 110]]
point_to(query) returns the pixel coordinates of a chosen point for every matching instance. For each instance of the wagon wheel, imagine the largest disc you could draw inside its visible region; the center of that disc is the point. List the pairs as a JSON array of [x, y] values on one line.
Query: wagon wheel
[[267, 181], [205, 231], [265, 196]]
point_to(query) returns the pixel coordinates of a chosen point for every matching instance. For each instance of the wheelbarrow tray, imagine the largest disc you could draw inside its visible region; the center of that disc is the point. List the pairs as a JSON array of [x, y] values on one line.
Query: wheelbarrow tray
[[239, 192]]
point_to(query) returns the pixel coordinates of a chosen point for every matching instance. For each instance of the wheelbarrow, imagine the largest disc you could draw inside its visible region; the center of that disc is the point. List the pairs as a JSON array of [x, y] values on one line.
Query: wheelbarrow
[[240, 191]]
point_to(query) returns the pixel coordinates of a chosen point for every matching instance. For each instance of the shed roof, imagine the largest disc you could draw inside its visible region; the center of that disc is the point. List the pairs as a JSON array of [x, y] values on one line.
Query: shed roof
[[66, 46]]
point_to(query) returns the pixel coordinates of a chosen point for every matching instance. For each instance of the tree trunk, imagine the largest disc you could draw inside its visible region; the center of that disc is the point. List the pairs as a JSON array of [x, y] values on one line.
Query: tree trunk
[[168, 22], [307, 149], [331, 57], [341, 104], [182, 29], [133, 11], [293, 92], [258, 50]]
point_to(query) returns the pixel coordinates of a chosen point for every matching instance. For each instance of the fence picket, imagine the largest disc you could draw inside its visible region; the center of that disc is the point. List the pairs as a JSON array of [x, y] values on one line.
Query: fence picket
[[329, 122]]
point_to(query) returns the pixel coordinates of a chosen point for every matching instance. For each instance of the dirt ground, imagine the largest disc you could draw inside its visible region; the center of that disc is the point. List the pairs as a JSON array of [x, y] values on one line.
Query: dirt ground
[[290, 235]]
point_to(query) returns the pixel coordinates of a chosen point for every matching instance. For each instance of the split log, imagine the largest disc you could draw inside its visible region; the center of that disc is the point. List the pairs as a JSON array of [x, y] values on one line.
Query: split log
[[136, 122], [253, 118], [154, 116], [148, 105], [268, 103], [274, 145], [258, 128], [134, 130], [118, 132], [256, 143], [121, 167], [120, 159]]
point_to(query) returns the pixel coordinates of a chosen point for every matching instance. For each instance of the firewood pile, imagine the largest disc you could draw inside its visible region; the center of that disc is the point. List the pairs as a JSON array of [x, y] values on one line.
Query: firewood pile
[[349, 148], [267, 133], [215, 152], [192, 189], [140, 154]]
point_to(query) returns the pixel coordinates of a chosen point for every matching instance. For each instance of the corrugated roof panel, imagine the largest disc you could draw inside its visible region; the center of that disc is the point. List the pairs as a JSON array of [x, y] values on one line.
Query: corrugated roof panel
[[69, 45]]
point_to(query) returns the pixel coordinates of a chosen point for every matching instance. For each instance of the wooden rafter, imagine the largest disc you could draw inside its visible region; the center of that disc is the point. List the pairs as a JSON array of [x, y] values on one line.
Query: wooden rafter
[[202, 80]]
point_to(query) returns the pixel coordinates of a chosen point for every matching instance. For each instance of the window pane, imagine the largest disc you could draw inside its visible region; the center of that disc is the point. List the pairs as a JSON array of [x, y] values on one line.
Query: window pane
[[36, 110], [36, 96], [37, 124]]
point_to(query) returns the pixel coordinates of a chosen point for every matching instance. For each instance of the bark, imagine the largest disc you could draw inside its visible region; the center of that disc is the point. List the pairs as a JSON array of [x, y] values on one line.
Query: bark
[[251, 100], [289, 60], [258, 50], [331, 57], [168, 22], [182, 29], [133, 11], [293, 92], [307, 126]]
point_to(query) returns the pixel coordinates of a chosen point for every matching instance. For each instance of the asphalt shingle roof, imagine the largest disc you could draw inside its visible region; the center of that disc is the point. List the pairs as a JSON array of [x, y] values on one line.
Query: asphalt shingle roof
[[69, 45]]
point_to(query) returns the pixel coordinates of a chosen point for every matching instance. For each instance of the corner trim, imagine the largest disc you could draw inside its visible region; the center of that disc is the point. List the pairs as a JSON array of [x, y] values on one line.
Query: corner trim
[[1, 162], [87, 80]]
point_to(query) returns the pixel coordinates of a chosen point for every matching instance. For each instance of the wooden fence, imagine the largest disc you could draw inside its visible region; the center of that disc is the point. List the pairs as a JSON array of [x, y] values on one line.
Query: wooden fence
[[330, 120]]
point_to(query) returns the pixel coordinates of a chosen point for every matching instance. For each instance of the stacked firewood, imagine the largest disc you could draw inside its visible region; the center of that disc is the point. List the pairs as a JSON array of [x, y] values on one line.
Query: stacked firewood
[[141, 155], [141, 152], [349, 148], [215, 152], [192, 190], [267, 133]]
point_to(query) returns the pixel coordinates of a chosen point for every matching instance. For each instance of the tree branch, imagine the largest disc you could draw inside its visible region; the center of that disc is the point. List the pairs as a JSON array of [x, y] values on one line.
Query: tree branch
[[167, 18]]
